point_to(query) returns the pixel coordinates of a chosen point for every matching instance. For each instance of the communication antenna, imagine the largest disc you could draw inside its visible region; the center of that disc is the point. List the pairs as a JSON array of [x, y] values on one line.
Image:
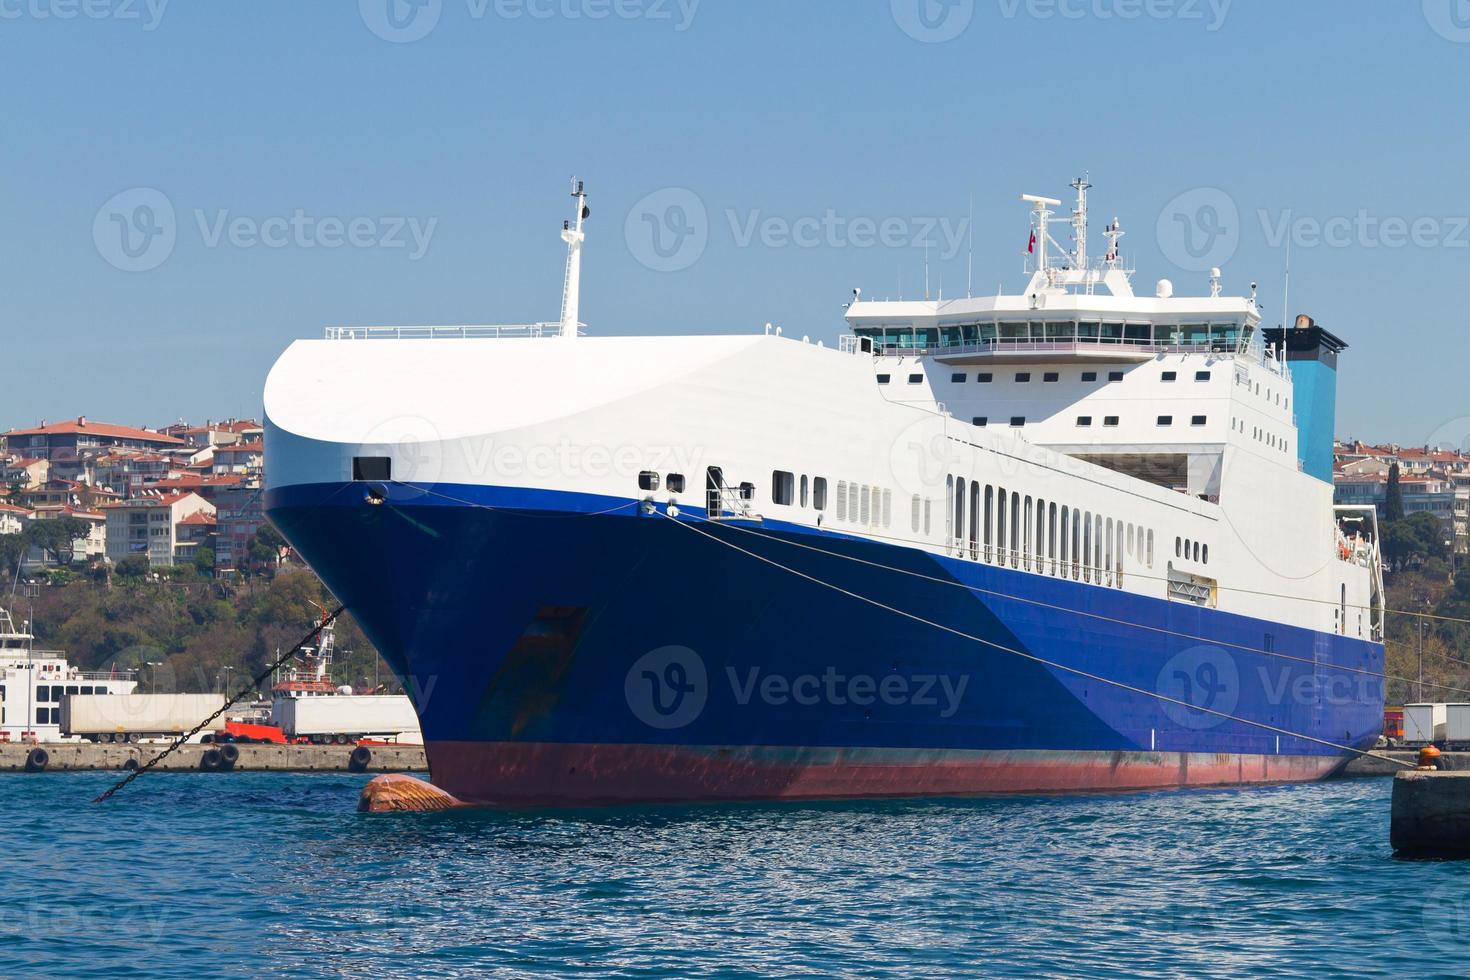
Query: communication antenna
[[1079, 221], [572, 286], [1286, 289], [970, 258]]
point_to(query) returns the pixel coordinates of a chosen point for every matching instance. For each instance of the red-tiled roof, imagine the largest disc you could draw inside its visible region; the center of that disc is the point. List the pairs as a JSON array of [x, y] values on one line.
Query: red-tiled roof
[[199, 517], [12, 509], [247, 447], [97, 429]]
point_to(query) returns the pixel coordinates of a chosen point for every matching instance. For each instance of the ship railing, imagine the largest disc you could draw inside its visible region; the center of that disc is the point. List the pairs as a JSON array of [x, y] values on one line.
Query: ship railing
[[465, 332], [1101, 345]]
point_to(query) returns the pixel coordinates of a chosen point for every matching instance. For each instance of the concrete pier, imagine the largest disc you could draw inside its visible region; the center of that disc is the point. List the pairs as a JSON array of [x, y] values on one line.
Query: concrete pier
[[1391, 762], [74, 756], [1431, 814]]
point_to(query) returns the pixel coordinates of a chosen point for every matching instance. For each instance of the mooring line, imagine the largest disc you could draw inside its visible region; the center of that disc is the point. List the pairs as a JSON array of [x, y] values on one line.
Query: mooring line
[[1031, 656], [255, 683]]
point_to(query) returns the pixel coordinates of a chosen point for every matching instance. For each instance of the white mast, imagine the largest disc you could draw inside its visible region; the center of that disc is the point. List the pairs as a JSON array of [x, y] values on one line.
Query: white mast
[[1079, 222], [1043, 215], [572, 287]]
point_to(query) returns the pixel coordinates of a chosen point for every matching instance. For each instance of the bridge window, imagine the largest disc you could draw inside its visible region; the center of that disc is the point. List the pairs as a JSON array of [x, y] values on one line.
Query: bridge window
[[1170, 375], [958, 379], [1023, 376], [1050, 377], [1110, 420], [980, 421], [915, 379], [1197, 420], [1089, 375], [1115, 375], [984, 378], [1018, 420], [883, 379], [1166, 420], [1201, 375], [1084, 420]]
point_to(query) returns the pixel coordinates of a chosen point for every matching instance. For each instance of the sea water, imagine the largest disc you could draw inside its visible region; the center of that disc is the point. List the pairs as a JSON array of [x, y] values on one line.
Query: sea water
[[253, 874]]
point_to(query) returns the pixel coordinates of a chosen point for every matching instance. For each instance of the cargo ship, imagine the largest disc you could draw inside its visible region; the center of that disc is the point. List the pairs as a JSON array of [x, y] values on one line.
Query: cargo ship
[[1071, 538]]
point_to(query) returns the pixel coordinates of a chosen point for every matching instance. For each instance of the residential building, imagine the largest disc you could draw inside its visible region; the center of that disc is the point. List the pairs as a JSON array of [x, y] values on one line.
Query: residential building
[[66, 443], [150, 526], [13, 519], [84, 549], [240, 514]]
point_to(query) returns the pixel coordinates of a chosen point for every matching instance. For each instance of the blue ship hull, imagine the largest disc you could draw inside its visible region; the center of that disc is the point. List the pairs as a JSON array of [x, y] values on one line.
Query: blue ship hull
[[572, 649]]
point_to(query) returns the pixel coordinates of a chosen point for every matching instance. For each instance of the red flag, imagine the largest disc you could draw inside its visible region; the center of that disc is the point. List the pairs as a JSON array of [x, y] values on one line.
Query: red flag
[[1031, 245]]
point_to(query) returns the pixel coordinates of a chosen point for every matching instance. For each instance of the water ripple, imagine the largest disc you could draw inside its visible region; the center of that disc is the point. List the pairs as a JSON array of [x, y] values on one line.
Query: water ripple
[[189, 875]]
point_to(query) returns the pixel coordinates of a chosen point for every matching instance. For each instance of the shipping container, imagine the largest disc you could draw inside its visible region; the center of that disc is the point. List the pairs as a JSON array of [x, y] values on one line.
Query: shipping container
[[131, 717], [347, 717], [1424, 723], [1457, 725]]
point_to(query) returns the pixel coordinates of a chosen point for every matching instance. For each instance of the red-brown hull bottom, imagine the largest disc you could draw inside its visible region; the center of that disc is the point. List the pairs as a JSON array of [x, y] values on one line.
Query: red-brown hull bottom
[[513, 774]]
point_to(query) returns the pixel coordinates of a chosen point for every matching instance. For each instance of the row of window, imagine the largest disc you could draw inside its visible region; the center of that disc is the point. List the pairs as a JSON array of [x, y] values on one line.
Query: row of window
[[813, 490], [648, 480], [1024, 377], [1191, 551], [991, 525], [1085, 421], [54, 692]]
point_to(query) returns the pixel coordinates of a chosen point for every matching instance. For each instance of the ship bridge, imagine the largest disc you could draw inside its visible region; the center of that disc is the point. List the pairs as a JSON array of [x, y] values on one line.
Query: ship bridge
[[1155, 386]]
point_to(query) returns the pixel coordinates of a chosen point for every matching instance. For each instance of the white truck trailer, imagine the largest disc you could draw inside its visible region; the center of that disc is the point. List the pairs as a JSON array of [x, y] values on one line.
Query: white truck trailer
[[343, 718], [1424, 723], [133, 717], [1457, 726]]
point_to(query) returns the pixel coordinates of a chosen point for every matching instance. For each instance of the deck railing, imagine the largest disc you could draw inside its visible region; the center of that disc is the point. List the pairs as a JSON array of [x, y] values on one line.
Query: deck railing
[[466, 332]]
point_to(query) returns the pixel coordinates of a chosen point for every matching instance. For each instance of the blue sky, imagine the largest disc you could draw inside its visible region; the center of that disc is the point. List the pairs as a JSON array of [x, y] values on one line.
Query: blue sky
[[283, 166]]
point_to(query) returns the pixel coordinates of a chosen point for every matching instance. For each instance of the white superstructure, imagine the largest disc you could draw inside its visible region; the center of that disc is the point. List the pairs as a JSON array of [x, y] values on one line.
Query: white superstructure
[[1141, 443], [34, 683]]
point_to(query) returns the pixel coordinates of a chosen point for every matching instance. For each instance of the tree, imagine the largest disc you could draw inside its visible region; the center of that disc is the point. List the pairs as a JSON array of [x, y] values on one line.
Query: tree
[[1393, 504], [13, 548], [1414, 540], [133, 567], [265, 547], [204, 562], [57, 537]]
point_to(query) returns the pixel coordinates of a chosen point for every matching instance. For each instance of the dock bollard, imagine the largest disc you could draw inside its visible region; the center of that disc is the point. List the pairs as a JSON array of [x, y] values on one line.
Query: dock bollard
[[1431, 814]]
